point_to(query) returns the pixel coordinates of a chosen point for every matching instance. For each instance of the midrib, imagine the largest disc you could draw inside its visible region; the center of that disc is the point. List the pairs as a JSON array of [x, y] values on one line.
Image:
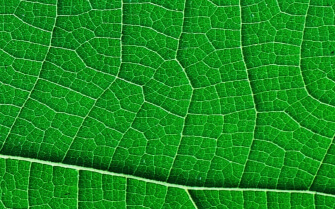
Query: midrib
[[81, 168]]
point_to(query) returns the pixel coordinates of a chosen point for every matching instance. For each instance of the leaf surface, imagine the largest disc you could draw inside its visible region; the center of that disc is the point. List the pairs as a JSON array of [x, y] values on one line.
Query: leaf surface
[[167, 104]]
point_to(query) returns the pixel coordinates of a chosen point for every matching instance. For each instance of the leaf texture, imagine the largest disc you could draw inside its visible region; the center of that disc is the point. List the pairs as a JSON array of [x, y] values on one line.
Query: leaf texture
[[167, 104]]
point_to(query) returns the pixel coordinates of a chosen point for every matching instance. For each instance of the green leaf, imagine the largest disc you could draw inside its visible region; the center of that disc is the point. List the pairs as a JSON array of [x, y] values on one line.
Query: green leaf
[[167, 104]]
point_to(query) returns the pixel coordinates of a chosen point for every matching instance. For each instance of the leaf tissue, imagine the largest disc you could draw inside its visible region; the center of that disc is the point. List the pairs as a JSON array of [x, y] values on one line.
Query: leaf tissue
[[167, 104]]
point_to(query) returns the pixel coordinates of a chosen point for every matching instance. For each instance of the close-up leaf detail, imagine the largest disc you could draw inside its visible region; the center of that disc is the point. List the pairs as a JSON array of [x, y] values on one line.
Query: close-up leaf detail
[[167, 104]]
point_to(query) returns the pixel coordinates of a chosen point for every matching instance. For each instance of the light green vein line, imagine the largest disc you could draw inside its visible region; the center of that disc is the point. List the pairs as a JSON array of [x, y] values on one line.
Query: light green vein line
[[190, 196], [252, 93], [80, 168]]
